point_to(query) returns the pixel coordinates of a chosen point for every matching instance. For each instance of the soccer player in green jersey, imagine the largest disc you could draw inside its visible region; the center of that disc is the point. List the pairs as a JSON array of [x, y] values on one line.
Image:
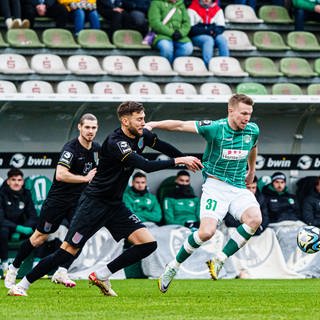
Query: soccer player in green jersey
[[231, 147]]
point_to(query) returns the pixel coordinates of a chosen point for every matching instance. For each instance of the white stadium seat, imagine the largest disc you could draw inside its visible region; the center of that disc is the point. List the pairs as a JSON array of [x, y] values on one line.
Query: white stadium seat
[[7, 87], [226, 67], [45, 63], [11, 63], [180, 88], [108, 87], [190, 66], [84, 65], [240, 13], [215, 89], [36, 87], [238, 40], [120, 65], [73, 87], [144, 88], [155, 66]]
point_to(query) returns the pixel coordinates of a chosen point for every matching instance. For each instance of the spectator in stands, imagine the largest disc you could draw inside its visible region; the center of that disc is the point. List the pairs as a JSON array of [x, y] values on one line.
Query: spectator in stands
[[11, 11], [140, 201], [282, 205], [18, 217], [81, 11], [124, 14], [45, 8], [170, 21], [230, 221], [311, 206], [305, 10], [182, 206], [207, 26]]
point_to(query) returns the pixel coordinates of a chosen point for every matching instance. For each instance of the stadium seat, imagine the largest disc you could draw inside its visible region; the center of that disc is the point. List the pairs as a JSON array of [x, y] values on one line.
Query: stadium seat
[[179, 88], [240, 13], [303, 41], [108, 87], [313, 89], [238, 40], [286, 88], [94, 39], [317, 66], [73, 87], [3, 44], [46, 63], [261, 67], [155, 66], [7, 87], [251, 88], [59, 38], [23, 38], [215, 89], [296, 67], [120, 65], [143, 88], [226, 67], [269, 41], [36, 87], [274, 14], [190, 67], [128, 39], [84, 65], [11, 63]]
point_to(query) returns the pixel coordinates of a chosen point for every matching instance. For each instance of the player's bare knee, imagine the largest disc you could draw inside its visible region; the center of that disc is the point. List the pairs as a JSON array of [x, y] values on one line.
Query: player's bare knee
[[69, 248], [252, 218], [206, 234]]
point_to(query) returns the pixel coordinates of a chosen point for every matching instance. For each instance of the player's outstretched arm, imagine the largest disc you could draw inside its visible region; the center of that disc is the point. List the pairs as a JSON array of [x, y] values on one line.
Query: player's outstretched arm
[[192, 163], [63, 174], [172, 125]]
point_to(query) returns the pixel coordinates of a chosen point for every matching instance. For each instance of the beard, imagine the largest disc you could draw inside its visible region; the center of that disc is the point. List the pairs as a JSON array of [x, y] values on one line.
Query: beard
[[134, 132]]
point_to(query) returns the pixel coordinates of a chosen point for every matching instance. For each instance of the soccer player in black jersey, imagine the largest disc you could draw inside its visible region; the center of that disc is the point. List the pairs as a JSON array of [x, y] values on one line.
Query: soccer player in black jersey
[[75, 169], [101, 204]]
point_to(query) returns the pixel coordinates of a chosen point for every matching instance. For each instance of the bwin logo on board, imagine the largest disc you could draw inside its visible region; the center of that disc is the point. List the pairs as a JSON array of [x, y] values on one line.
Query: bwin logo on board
[[17, 160]]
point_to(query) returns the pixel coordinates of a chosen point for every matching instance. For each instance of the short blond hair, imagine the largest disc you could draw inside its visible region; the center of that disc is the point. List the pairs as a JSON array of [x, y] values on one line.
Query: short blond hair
[[240, 97]]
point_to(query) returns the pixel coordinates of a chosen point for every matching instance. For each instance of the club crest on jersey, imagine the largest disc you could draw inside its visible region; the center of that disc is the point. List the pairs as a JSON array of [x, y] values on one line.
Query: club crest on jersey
[[204, 123], [141, 143], [247, 138], [230, 154], [124, 147], [66, 157]]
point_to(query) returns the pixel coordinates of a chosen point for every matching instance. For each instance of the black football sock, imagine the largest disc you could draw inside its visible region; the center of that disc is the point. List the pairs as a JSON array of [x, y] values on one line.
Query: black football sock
[[24, 251], [48, 263], [132, 255], [69, 263]]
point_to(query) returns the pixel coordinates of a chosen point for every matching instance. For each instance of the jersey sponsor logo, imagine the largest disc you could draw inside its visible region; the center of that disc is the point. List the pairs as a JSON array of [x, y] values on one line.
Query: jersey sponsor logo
[[124, 147], [230, 154], [204, 123], [87, 167], [66, 157], [77, 237], [247, 138], [141, 143]]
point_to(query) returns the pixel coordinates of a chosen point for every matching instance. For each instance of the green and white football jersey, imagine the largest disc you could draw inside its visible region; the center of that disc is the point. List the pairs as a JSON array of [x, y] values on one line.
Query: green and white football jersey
[[227, 150]]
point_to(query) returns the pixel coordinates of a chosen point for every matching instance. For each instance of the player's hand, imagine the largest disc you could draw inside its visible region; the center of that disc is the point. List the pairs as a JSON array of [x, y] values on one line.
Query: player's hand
[[192, 163], [249, 177], [91, 174], [149, 125]]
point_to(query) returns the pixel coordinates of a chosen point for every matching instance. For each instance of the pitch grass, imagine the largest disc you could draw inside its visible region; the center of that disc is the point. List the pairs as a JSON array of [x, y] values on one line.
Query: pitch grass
[[186, 299]]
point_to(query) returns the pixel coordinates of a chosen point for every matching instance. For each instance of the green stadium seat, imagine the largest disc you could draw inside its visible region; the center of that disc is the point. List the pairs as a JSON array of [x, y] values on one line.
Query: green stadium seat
[[251, 88], [128, 39], [303, 41], [94, 39], [3, 44], [269, 41], [23, 38], [59, 39], [261, 67], [317, 66], [313, 89], [286, 88], [274, 14], [296, 67]]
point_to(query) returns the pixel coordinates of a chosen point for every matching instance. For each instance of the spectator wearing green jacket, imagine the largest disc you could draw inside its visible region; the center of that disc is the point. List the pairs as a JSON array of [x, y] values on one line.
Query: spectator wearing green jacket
[[169, 19], [182, 206], [140, 201], [305, 10]]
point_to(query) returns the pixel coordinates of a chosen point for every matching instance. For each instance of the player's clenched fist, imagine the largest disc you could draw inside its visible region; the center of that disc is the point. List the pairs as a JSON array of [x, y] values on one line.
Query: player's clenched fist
[[192, 163]]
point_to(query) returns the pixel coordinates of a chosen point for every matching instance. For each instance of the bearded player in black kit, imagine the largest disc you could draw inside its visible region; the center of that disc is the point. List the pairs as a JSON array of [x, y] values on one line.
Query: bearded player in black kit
[[75, 169], [101, 204]]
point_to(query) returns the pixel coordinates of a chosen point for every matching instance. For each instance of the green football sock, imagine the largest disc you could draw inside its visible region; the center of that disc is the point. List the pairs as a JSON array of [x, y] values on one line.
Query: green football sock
[[238, 239], [192, 243]]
